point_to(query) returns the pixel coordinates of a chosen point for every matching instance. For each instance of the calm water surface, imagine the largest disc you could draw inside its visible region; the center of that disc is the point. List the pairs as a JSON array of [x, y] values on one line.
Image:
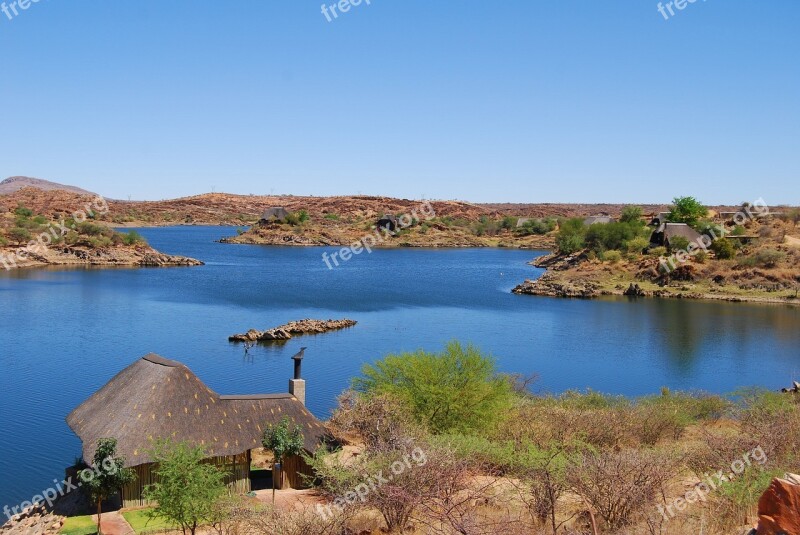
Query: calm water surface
[[65, 333]]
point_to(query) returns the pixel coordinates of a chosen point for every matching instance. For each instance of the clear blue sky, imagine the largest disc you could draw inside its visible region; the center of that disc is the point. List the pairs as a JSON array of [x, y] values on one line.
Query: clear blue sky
[[522, 101]]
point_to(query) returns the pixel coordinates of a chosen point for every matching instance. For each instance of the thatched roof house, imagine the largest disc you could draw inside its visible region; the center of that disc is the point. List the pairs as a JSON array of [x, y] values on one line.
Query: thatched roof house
[[666, 233], [155, 398], [601, 219], [277, 213], [389, 223]]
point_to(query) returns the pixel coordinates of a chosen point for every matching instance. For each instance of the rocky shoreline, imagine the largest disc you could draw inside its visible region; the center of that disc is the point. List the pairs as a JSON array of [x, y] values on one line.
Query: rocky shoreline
[[293, 328], [74, 256], [562, 279]]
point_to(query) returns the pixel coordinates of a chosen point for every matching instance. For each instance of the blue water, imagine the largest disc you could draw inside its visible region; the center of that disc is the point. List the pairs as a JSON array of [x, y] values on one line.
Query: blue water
[[65, 333]]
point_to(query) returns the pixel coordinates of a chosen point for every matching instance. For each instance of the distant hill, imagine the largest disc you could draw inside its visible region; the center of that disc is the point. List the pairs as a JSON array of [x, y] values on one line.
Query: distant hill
[[16, 183]]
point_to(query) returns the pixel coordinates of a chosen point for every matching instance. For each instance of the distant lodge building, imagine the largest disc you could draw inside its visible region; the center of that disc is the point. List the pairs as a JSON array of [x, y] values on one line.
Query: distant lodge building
[[155, 398], [665, 233], [388, 223], [271, 215], [601, 219]]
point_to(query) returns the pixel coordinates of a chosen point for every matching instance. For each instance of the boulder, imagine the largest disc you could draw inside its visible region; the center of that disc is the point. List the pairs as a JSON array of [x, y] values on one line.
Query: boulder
[[634, 290], [779, 507]]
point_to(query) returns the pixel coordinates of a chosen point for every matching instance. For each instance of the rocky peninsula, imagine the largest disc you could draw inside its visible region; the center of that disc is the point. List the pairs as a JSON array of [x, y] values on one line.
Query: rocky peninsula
[[291, 329]]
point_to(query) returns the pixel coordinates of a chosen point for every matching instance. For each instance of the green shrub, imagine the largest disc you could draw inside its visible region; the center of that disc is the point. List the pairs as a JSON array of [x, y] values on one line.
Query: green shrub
[[571, 236], [458, 390], [636, 245], [537, 226], [509, 223], [133, 238], [296, 218], [678, 243], [738, 230], [631, 214], [486, 227], [23, 212], [700, 256], [90, 229], [769, 258], [612, 236], [658, 251], [332, 217], [723, 249], [3, 241], [612, 256]]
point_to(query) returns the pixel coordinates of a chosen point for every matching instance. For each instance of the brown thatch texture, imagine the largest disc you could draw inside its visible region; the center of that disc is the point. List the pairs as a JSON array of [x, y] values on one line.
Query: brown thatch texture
[[156, 398], [673, 230]]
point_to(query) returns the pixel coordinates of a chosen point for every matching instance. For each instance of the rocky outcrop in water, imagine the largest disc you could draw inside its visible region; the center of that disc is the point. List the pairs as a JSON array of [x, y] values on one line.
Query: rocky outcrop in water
[[97, 257], [547, 285], [291, 329]]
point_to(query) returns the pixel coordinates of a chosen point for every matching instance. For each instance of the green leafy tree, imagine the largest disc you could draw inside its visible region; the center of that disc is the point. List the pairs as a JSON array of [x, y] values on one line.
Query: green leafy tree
[[612, 236], [509, 222], [106, 476], [283, 440], [20, 235], [458, 390], [723, 249], [687, 210], [631, 214], [571, 236], [537, 226], [187, 489]]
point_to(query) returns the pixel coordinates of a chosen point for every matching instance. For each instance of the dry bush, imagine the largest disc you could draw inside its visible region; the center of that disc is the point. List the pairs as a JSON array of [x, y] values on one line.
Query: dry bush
[[544, 424], [382, 422], [248, 521], [457, 499], [621, 486]]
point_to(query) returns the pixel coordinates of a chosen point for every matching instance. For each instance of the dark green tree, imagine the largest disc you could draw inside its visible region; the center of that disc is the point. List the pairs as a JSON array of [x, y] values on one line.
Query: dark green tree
[[20, 235], [631, 214], [283, 440], [723, 249], [687, 210], [187, 489], [458, 390], [106, 476], [571, 236]]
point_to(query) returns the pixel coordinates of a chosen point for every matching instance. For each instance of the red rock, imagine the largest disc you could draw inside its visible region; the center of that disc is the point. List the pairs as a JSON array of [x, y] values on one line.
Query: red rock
[[779, 507]]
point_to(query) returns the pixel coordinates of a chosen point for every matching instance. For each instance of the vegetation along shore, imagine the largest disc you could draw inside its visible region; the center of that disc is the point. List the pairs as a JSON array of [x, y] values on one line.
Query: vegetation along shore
[[689, 251]]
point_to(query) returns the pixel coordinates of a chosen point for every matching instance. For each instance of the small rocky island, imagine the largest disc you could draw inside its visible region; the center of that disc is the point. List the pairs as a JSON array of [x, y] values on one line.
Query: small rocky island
[[291, 329]]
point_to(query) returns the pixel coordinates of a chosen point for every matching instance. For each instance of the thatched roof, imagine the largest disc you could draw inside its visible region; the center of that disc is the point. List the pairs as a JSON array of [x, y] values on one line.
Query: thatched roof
[[672, 230], [158, 398], [601, 219], [272, 214]]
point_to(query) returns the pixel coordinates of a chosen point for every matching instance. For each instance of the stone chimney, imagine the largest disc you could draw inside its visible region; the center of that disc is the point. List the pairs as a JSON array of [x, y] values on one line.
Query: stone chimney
[[297, 386]]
